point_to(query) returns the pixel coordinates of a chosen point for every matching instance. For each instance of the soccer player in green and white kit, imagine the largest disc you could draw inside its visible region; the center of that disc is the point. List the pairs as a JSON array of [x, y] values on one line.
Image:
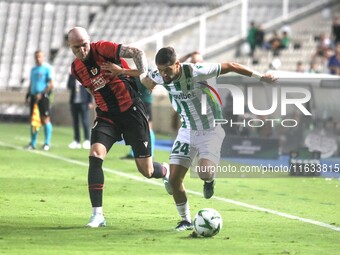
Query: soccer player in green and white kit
[[198, 135]]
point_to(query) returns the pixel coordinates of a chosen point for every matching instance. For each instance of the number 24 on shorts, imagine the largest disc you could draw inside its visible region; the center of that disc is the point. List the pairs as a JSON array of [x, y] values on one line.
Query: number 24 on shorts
[[180, 148]]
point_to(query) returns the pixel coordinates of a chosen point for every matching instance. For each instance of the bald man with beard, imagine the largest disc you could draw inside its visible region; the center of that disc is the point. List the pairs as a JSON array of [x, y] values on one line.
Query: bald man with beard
[[120, 112]]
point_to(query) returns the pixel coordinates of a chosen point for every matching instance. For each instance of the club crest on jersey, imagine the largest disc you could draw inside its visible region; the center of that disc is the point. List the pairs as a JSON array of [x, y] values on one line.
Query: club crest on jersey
[[94, 70]]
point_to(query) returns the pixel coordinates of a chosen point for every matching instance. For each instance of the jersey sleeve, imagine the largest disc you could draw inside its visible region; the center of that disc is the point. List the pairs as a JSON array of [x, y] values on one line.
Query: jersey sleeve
[[204, 71], [108, 49]]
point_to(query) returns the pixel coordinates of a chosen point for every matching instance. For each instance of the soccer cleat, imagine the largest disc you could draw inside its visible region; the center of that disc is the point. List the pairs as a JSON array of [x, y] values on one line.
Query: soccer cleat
[[208, 189], [30, 147], [184, 225], [86, 145], [46, 147], [74, 145], [96, 221], [166, 178]]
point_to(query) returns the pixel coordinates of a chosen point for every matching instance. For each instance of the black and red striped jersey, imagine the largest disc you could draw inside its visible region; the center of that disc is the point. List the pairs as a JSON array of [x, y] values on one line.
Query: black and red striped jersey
[[111, 93]]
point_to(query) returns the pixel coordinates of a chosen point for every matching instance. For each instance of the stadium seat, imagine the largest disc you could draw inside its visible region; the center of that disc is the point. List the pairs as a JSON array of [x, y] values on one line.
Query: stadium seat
[[25, 26]]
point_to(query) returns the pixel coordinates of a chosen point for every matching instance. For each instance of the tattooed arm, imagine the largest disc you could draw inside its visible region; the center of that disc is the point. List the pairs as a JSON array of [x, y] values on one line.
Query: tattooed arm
[[138, 57], [114, 69]]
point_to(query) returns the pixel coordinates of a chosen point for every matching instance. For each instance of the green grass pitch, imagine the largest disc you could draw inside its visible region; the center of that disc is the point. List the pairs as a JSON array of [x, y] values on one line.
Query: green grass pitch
[[44, 206]]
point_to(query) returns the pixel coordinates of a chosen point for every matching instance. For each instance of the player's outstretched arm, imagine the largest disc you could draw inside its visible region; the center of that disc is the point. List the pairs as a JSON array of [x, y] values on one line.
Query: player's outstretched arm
[[246, 71], [138, 57], [268, 78], [114, 69]]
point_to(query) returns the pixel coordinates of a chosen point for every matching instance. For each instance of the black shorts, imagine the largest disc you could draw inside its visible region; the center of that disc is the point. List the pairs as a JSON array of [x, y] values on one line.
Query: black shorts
[[131, 125], [43, 105]]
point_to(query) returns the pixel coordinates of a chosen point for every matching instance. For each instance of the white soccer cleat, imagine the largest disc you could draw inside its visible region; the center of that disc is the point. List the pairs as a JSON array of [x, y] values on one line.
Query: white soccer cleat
[[46, 147], [86, 145], [74, 145], [96, 221], [166, 178], [184, 225]]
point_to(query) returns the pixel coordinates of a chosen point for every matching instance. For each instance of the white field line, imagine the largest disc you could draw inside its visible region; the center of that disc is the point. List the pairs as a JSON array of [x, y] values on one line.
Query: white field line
[[153, 182]]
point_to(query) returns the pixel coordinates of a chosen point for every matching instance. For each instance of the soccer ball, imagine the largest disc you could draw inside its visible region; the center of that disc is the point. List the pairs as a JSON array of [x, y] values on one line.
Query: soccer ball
[[207, 222]]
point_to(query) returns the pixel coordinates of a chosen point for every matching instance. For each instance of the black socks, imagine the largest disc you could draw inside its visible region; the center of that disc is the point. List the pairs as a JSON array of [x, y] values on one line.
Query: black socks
[[96, 181]]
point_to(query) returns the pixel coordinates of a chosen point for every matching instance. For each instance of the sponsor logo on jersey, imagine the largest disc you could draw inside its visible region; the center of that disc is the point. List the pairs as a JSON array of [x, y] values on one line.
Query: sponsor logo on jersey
[[98, 82], [184, 96]]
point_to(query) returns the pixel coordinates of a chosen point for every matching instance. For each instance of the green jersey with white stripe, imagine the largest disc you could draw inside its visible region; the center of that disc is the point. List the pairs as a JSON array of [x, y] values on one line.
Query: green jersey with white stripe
[[187, 92]]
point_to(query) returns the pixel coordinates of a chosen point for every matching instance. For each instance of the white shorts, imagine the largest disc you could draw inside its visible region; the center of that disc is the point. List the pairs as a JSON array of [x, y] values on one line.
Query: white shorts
[[206, 144]]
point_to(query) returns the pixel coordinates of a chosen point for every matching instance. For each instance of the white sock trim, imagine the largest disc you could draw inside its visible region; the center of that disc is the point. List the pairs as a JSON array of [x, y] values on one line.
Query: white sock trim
[[97, 210], [184, 211]]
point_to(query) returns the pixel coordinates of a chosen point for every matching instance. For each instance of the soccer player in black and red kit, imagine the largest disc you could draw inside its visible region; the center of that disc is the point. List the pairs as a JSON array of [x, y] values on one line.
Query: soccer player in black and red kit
[[120, 112]]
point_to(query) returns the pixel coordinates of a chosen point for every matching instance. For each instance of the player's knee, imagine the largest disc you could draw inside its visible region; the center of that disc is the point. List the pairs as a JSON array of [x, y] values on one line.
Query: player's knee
[[177, 187], [98, 150], [175, 183], [172, 179]]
